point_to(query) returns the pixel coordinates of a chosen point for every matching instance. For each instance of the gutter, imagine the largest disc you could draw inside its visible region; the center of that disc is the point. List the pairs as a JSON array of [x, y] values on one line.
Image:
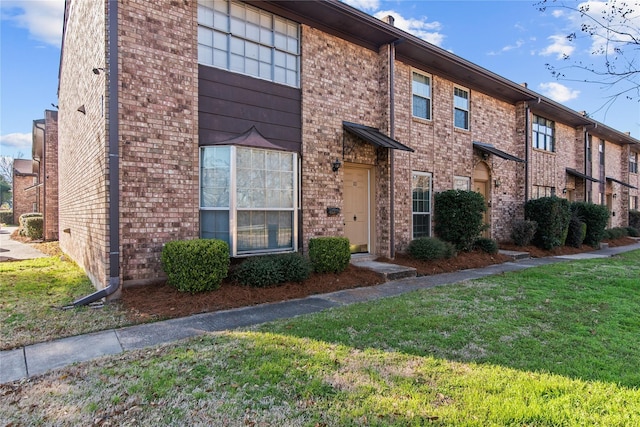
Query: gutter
[[114, 165]]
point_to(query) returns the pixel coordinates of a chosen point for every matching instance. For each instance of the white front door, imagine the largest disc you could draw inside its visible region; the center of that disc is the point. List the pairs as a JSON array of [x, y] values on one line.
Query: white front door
[[356, 208]]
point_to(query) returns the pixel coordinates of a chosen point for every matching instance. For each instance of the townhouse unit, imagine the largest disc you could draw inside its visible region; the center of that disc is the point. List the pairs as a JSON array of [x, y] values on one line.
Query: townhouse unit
[[267, 123], [25, 197]]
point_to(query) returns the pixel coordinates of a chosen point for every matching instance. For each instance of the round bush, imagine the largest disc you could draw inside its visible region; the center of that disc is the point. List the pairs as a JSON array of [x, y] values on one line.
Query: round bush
[[487, 245], [428, 248], [195, 265], [329, 254], [270, 270], [523, 231]]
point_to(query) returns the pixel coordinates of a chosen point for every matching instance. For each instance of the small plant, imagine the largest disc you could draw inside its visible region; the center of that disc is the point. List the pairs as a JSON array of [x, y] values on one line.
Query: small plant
[[195, 265], [270, 270], [458, 217], [634, 219], [633, 232], [615, 233], [523, 231], [487, 245], [329, 254], [31, 225], [429, 248]]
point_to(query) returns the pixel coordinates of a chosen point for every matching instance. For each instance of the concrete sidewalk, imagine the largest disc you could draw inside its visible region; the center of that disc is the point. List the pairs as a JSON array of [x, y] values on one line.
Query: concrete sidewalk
[[13, 250], [39, 358]]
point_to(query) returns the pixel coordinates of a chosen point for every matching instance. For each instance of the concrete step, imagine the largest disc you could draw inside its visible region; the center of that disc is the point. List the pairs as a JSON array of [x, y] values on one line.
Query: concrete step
[[515, 254], [389, 271], [357, 258]]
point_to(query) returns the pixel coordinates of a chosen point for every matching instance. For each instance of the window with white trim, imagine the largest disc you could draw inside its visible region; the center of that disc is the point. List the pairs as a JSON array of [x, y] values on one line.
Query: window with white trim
[[633, 203], [543, 134], [461, 108], [421, 100], [633, 162], [244, 39], [421, 198], [248, 198], [539, 191]]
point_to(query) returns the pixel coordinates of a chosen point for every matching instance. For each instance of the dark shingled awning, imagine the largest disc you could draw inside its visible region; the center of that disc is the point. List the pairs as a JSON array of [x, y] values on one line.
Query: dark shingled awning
[[251, 138], [577, 174], [374, 136], [621, 182], [488, 148]]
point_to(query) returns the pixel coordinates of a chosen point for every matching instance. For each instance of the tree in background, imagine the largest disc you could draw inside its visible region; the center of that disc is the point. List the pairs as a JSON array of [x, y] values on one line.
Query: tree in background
[[613, 29], [6, 180]]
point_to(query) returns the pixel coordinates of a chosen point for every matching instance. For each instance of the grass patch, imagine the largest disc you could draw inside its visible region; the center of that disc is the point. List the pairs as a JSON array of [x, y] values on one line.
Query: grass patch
[[31, 294], [551, 346]]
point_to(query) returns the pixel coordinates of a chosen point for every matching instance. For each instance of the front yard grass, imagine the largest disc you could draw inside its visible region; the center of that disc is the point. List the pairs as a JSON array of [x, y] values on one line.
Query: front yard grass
[[32, 293], [551, 346]]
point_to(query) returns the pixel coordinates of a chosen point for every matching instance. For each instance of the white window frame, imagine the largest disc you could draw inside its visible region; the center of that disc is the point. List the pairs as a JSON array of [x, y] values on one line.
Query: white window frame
[[457, 107], [233, 205], [430, 205], [429, 98], [633, 163], [545, 131], [243, 39]]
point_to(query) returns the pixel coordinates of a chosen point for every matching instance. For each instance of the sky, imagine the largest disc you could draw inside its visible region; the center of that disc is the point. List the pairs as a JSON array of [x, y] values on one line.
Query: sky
[[512, 38]]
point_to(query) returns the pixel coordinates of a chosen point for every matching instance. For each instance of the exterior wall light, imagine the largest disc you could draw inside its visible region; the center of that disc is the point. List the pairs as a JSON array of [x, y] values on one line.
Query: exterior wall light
[[82, 110], [336, 165]]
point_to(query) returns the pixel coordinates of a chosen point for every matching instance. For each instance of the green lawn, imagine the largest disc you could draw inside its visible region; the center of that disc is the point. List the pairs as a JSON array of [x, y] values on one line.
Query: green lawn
[[550, 346], [31, 294]]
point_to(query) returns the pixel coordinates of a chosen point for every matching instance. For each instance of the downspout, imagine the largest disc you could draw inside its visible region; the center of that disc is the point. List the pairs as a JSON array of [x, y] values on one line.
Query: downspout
[[586, 163], [114, 165], [392, 132]]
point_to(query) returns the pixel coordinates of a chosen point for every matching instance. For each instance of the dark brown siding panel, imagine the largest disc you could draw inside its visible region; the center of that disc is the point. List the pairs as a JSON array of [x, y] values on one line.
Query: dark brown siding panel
[[230, 103]]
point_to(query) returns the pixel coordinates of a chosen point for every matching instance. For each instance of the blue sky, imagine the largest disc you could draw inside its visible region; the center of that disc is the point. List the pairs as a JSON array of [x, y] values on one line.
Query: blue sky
[[510, 37]]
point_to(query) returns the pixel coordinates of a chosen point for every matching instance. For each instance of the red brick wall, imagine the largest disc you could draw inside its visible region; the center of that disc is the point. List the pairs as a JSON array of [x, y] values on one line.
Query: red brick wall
[[158, 132], [49, 176], [23, 200]]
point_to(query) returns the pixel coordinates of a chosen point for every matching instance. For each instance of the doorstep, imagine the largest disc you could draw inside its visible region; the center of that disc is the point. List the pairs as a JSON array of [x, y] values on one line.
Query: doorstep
[[515, 254], [388, 270]]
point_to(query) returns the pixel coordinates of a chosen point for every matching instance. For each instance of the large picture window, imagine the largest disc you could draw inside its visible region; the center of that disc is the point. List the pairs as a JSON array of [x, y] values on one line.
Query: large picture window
[[421, 101], [244, 39], [248, 198], [543, 134], [421, 196]]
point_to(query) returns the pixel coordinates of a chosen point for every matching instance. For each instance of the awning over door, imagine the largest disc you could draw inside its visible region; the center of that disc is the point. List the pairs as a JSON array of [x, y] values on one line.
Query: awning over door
[[580, 175], [374, 136], [621, 182], [490, 149]]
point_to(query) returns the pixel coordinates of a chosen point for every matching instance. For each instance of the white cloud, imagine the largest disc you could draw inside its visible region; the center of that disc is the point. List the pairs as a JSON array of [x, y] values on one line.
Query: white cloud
[[557, 13], [42, 18], [421, 28], [518, 44], [367, 5], [558, 92], [16, 140], [560, 46]]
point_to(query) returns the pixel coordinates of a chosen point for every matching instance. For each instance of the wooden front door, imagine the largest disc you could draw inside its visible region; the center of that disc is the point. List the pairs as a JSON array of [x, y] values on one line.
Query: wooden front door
[[356, 208], [481, 181]]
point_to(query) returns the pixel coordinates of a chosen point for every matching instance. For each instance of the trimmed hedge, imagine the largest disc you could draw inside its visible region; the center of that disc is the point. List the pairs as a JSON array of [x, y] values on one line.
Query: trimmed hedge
[[552, 215], [576, 233], [195, 265], [458, 217], [633, 232], [329, 254], [596, 217], [270, 270], [31, 225], [615, 233], [634, 219], [523, 231], [487, 245], [430, 248], [6, 217]]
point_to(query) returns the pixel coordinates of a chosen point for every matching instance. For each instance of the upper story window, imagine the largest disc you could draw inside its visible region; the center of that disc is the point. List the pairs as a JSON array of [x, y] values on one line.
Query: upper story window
[[241, 38], [543, 134], [633, 162], [589, 144], [601, 151], [421, 89], [461, 108]]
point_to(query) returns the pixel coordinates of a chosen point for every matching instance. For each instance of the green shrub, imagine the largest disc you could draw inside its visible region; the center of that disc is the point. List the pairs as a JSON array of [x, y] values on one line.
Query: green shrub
[[576, 233], [450, 250], [429, 248], [596, 217], [634, 219], [552, 214], [270, 270], [6, 217], [487, 245], [33, 227], [523, 231], [633, 232], [195, 265], [329, 254], [458, 217], [615, 233]]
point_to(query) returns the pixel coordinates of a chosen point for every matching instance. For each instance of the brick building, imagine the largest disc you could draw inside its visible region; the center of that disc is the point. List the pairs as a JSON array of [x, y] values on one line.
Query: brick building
[[44, 152], [25, 195], [266, 123]]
